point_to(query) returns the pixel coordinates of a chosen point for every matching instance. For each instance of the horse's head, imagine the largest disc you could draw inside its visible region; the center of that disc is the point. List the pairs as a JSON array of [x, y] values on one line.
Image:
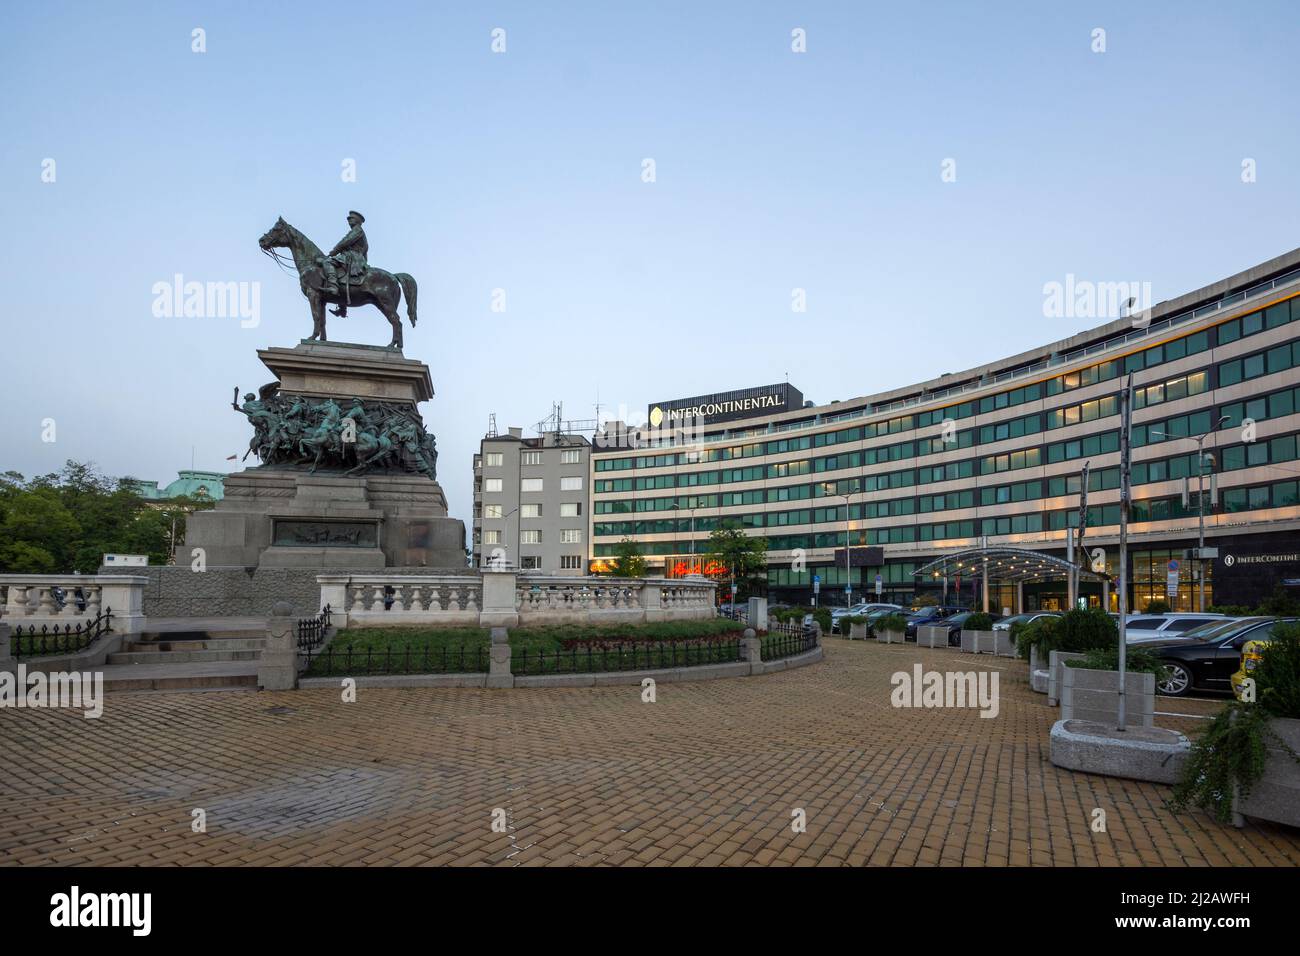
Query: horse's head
[[276, 237]]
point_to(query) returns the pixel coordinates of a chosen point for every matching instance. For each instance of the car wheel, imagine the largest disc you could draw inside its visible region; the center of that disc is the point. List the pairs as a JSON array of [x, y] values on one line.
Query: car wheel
[[1177, 680]]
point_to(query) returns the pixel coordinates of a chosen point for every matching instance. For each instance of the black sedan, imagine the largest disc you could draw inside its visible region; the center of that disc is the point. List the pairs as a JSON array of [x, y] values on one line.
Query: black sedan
[[928, 616], [956, 622], [1206, 657]]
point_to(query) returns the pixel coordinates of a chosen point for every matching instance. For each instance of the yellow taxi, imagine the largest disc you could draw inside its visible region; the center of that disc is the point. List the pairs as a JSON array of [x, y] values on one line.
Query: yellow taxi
[[1251, 652]]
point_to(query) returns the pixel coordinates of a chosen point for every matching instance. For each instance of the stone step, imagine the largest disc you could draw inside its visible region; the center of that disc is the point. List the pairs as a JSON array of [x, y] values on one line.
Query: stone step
[[220, 644], [156, 656], [201, 675]]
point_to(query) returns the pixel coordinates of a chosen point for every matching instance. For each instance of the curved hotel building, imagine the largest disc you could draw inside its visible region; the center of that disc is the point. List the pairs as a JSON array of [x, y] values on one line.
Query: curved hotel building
[[994, 457]]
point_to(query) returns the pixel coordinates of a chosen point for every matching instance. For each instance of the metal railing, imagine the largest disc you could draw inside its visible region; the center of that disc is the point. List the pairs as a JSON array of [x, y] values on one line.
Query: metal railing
[[311, 630], [350, 660], [598, 657], [787, 640], [32, 640]]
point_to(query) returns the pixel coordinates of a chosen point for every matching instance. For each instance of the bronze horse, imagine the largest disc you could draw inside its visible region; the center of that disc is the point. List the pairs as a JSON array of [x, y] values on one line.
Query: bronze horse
[[377, 288]]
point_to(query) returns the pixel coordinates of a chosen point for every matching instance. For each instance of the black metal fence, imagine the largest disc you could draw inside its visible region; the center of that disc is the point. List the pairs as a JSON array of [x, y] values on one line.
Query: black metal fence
[[349, 660], [787, 640], [27, 641], [311, 630], [625, 656]]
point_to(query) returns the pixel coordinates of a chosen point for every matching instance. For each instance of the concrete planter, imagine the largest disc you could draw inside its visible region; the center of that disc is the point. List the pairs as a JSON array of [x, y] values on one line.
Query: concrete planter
[[978, 642], [857, 632], [1092, 695], [931, 636], [890, 637], [1038, 672], [1055, 664], [1276, 796]]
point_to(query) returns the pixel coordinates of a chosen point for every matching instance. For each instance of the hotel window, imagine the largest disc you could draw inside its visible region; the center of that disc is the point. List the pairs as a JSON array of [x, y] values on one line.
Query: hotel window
[[530, 511], [569, 484], [491, 537], [571, 509], [530, 484], [493, 511], [570, 562], [530, 563], [532, 458], [530, 537], [571, 536], [494, 459], [492, 484], [570, 456]]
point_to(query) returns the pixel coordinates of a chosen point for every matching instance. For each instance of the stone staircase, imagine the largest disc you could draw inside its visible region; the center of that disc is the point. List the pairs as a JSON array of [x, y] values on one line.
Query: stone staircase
[[180, 654]]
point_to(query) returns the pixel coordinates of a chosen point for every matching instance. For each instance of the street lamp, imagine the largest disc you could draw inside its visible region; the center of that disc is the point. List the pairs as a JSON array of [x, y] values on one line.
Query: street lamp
[[1200, 502], [505, 521], [829, 486]]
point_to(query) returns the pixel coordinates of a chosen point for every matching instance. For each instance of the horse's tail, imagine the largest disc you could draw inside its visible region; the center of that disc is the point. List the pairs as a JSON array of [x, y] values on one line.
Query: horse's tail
[[408, 290]]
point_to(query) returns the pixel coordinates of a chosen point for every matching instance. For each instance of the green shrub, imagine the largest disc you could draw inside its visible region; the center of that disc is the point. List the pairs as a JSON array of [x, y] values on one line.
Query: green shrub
[[1280, 604], [979, 621], [1079, 631], [1107, 659], [1039, 633], [822, 616], [1233, 750], [787, 614], [891, 622], [1156, 607], [1277, 676], [853, 619], [1232, 610]]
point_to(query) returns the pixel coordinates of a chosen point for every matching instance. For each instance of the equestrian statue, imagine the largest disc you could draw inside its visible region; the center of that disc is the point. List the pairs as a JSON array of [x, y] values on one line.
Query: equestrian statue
[[342, 277]]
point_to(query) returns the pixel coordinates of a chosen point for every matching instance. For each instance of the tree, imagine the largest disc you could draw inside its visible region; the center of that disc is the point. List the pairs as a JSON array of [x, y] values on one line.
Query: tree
[[629, 562], [744, 556], [68, 520]]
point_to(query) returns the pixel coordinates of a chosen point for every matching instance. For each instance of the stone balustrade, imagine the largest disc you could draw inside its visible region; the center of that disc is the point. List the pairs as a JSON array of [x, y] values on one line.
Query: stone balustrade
[[508, 598], [31, 599]]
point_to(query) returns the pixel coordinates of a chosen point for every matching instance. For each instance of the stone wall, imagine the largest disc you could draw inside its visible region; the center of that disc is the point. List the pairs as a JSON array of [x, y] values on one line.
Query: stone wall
[[177, 591]]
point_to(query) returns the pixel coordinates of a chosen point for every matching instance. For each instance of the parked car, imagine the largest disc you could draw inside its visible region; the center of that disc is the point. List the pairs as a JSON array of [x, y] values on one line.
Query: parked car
[[1205, 657], [926, 616], [1144, 627], [858, 610], [1251, 652], [955, 623], [736, 611], [1004, 624]]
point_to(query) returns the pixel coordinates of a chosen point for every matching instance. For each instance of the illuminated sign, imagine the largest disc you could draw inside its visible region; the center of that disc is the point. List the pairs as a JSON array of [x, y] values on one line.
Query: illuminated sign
[[682, 567], [725, 406]]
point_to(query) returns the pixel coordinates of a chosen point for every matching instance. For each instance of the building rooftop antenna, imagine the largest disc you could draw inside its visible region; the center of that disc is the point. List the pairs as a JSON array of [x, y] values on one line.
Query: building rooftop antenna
[[492, 425]]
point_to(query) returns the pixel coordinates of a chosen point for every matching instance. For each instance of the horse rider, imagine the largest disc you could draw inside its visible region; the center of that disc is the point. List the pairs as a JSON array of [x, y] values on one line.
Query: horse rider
[[349, 252]]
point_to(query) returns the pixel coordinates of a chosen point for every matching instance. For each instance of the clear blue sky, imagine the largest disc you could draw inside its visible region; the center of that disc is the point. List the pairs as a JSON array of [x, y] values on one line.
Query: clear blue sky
[[522, 171]]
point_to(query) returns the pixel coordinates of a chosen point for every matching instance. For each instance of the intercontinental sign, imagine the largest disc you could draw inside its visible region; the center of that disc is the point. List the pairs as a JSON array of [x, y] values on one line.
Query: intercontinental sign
[[726, 406]]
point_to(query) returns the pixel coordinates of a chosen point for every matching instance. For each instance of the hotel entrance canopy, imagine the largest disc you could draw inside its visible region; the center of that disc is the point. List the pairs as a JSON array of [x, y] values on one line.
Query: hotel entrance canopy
[[1010, 565]]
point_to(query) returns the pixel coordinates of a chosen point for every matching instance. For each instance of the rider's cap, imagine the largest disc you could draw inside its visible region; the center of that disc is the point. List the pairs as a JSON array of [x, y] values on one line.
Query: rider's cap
[[353, 212]]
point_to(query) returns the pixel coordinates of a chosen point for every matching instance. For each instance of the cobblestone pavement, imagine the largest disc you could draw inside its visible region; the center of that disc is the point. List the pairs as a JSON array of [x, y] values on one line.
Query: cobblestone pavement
[[709, 774]]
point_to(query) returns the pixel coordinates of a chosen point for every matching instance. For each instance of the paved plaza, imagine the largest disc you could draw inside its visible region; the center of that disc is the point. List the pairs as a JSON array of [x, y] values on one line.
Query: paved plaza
[[710, 773]]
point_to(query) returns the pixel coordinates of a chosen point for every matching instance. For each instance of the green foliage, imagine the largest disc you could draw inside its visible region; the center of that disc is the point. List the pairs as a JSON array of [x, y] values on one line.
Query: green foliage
[[1280, 604], [786, 614], [896, 623], [1107, 659], [1156, 607], [742, 554], [822, 616], [1079, 631], [1232, 610], [68, 520], [979, 621], [1277, 676], [852, 619], [1233, 750], [1027, 634], [925, 600], [629, 561]]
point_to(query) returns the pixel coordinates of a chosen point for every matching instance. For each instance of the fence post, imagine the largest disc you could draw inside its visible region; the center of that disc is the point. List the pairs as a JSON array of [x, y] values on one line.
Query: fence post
[[6, 647], [277, 668], [751, 650], [499, 660]]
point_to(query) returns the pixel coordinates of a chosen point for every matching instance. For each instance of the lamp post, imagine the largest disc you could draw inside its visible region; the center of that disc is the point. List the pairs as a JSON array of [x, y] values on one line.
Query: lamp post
[[1200, 503], [848, 573], [505, 521]]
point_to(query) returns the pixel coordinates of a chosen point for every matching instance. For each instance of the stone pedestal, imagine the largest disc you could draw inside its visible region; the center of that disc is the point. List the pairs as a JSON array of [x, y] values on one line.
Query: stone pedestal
[[285, 516], [499, 660], [277, 668], [498, 600]]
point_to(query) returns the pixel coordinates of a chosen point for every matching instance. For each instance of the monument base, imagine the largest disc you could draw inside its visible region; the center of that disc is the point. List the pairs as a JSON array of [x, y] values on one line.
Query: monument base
[[274, 518]]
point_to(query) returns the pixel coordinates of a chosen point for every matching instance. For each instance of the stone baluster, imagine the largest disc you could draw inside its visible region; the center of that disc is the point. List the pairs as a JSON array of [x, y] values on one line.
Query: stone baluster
[[47, 607]]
